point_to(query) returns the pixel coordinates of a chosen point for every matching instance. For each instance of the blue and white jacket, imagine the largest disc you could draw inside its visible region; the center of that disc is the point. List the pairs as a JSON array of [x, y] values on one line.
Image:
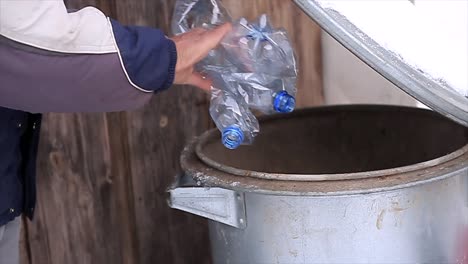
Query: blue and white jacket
[[56, 61], [52, 60]]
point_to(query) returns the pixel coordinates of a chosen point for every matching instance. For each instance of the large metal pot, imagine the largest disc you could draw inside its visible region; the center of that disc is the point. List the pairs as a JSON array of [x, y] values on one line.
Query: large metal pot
[[340, 184]]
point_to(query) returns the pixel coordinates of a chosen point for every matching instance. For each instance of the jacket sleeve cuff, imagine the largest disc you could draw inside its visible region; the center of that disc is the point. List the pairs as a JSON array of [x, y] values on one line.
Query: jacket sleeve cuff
[[172, 64], [148, 57]]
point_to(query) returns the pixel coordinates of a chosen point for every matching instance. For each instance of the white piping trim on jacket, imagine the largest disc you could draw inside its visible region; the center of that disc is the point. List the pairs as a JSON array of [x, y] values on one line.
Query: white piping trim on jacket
[[35, 45], [121, 60]]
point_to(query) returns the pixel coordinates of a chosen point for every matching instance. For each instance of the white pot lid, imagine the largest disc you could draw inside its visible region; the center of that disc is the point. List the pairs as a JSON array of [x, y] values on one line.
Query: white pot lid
[[420, 46]]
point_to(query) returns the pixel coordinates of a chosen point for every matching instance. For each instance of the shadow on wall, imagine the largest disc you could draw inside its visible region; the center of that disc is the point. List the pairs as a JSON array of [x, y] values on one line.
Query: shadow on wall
[[348, 80]]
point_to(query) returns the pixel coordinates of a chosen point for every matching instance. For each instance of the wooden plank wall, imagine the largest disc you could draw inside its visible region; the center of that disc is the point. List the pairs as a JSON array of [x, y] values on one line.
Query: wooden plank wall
[[102, 177]]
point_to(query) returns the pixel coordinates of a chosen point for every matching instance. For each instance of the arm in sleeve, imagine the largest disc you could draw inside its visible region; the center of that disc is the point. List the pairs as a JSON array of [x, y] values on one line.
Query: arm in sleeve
[[55, 61]]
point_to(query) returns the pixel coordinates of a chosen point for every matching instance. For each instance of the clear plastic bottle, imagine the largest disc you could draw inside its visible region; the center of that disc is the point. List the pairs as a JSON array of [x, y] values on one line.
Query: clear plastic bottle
[[208, 14], [259, 48], [232, 117], [266, 93], [253, 68], [190, 14]]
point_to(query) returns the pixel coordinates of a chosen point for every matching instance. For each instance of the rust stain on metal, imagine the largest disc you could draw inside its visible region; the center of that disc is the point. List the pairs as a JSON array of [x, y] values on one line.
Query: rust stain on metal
[[380, 219], [397, 208]]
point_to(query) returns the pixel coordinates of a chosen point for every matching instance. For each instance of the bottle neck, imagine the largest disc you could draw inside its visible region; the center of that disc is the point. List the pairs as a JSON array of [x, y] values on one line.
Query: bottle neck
[[232, 137], [283, 102]]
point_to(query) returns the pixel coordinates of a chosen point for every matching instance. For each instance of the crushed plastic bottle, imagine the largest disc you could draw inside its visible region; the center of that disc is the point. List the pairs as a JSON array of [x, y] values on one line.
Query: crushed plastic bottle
[[253, 68], [207, 14], [266, 65], [232, 117], [190, 14], [259, 48], [266, 93]]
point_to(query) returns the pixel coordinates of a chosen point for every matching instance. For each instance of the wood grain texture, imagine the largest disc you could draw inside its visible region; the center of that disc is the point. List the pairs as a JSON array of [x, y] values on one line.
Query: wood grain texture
[[77, 218], [157, 135], [155, 147], [25, 249], [102, 178]]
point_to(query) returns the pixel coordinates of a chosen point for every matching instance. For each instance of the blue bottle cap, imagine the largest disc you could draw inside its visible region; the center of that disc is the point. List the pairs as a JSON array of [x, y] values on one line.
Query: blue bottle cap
[[232, 137], [284, 103]]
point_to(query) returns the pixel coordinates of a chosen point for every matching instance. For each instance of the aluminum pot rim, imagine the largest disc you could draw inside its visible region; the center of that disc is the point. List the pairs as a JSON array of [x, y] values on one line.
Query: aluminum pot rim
[[208, 135], [207, 176]]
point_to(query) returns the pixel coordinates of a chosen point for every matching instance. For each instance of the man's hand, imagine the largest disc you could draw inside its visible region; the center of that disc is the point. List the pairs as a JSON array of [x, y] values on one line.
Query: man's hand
[[192, 47]]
